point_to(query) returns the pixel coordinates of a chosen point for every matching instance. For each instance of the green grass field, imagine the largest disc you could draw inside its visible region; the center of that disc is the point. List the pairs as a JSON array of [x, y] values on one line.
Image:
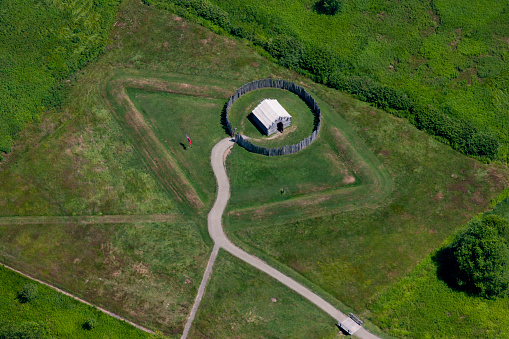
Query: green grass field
[[423, 305], [359, 252], [53, 315], [253, 305], [351, 240], [148, 272], [172, 117]]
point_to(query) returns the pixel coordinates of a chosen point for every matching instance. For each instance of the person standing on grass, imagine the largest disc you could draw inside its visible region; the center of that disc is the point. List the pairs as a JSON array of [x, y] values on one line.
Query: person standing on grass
[[188, 140]]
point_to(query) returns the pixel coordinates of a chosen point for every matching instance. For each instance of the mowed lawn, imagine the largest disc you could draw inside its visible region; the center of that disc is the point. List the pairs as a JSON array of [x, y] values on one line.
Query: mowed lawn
[[241, 302], [172, 116], [356, 254]]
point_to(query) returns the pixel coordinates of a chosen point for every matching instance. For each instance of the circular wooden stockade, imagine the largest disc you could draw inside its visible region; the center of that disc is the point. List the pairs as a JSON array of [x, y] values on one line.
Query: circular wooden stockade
[[280, 84]]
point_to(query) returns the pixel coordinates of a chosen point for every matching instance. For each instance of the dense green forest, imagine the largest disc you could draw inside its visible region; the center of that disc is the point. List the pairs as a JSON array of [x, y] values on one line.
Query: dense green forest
[[444, 62], [42, 44]]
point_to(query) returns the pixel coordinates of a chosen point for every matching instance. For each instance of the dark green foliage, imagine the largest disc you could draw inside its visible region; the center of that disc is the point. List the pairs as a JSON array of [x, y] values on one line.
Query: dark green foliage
[[329, 7], [364, 51], [460, 134], [482, 144], [371, 91], [489, 66], [287, 49], [27, 330], [90, 324], [207, 11], [482, 255], [43, 43], [28, 293]]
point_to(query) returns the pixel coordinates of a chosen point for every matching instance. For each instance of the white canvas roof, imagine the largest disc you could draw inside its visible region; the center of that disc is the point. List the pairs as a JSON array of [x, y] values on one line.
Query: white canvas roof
[[269, 110]]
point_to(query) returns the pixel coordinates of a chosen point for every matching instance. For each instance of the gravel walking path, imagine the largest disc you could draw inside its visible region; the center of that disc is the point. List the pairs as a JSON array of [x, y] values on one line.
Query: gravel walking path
[[221, 241]]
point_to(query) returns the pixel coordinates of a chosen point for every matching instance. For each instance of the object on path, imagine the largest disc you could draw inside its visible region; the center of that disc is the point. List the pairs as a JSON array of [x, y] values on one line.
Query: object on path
[[350, 325], [270, 115], [188, 139]]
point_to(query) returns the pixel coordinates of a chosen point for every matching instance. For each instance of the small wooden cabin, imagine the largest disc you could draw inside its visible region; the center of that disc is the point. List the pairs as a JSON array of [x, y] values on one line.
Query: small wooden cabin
[[270, 116]]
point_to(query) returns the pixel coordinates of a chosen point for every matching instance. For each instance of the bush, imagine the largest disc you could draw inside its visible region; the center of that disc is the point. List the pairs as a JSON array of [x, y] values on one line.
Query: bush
[[90, 324], [207, 11], [28, 293], [287, 49], [489, 66], [482, 255], [329, 7]]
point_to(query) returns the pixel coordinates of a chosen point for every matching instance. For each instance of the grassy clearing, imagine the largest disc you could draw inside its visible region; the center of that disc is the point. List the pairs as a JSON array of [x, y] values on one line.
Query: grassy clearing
[[53, 314], [252, 305], [355, 254], [302, 117], [337, 172], [147, 272], [423, 305], [172, 116]]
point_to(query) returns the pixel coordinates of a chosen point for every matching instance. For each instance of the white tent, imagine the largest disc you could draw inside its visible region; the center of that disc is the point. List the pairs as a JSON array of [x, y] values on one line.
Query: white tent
[[269, 113]]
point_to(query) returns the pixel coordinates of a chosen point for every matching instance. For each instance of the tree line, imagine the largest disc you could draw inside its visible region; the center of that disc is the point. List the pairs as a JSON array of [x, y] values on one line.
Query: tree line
[[328, 67]]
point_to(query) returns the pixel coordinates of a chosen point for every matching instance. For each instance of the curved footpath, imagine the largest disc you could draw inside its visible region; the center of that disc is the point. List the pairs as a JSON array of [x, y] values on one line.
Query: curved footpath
[[221, 241]]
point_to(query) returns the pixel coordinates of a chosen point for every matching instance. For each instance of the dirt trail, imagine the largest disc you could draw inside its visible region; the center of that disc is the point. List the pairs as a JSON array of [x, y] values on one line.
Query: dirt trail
[[221, 241]]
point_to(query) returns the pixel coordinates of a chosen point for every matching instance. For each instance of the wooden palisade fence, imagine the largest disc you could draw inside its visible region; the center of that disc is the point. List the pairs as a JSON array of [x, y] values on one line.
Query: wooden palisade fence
[[281, 84]]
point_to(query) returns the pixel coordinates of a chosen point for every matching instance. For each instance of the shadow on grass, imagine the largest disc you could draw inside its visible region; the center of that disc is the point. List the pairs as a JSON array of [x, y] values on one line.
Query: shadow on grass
[[448, 271], [224, 124], [250, 117], [327, 7]]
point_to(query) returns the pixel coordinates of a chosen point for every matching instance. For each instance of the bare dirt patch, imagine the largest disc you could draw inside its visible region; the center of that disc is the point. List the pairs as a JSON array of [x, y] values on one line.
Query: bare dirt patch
[[348, 179], [279, 135]]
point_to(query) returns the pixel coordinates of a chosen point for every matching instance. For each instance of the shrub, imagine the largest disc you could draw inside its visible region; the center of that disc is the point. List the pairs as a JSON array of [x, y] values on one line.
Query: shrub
[[329, 7], [28, 293], [489, 66], [287, 49], [90, 324], [483, 145], [482, 256], [460, 134], [207, 11]]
